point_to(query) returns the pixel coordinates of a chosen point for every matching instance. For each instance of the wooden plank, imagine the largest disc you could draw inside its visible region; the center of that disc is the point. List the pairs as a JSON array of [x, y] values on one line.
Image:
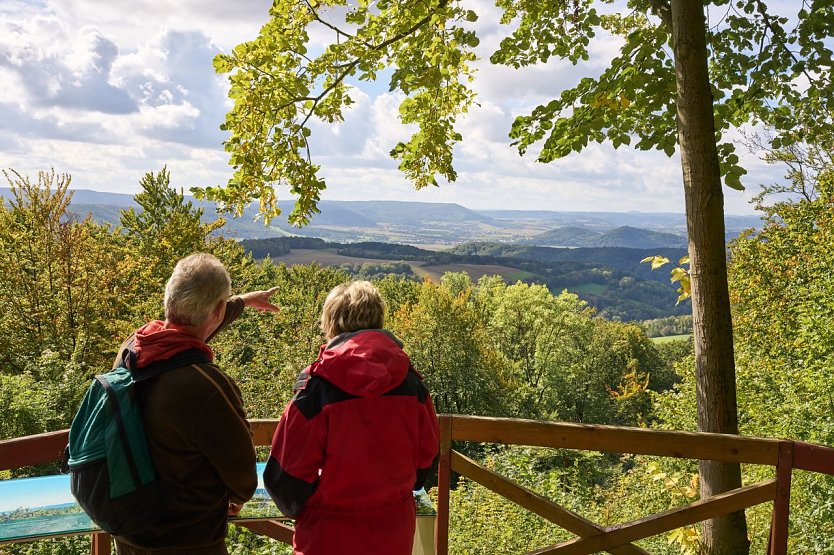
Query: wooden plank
[[274, 529], [46, 537], [263, 430], [100, 544], [616, 439], [534, 502], [49, 447], [31, 450], [444, 476], [728, 502], [816, 458], [778, 541]]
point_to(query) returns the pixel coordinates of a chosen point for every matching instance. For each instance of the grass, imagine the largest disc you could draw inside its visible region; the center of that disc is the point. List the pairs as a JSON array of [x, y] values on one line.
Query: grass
[[475, 271], [671, 338], [324, 257], [591, 288], [329, 257]]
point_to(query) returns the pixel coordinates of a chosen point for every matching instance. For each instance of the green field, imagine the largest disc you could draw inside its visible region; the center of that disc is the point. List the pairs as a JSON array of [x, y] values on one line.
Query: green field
[[324, 257], [670, 338], [590, 288], [329, 257], [475, 271]]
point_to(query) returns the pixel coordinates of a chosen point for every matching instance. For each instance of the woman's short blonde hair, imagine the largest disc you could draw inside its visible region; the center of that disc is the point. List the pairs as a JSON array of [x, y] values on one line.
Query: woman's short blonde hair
[[352, 306], [199, 282]]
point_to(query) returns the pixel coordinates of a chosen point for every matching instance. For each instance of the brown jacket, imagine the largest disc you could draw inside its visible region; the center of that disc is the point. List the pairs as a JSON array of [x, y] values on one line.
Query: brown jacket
[[201, 445]]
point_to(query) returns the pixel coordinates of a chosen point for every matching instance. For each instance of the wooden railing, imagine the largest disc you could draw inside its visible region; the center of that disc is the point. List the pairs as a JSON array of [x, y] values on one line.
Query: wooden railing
[[49, 447], [784, 455], [591, 538]]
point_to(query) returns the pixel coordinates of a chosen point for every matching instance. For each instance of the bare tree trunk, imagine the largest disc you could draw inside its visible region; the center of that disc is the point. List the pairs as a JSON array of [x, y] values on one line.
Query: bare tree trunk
[[715, 369]]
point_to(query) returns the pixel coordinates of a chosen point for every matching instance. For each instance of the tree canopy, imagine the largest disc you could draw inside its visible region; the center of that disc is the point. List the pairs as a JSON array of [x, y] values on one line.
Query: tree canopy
[[766, 66]]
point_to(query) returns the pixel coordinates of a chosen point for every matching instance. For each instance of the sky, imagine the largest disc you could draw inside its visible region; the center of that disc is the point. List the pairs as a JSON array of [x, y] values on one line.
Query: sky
[[110, 90], [45, 491]]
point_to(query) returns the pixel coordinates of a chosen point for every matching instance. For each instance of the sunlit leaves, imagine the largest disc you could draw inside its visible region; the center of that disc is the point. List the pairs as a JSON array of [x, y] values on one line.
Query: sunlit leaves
[[61, 276], [545, 30], [761, 71], [782, 287], [678, 274], [279, 87]]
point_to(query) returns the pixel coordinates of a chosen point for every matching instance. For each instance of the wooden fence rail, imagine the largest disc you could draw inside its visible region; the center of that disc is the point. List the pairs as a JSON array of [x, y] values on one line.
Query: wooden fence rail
[[591, 537], [782, 454], [49, 448]]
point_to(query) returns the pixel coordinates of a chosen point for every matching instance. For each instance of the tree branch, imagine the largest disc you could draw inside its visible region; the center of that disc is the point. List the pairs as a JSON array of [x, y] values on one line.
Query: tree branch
[[663, 10], [348, 68], [762, 9], [316, 17]]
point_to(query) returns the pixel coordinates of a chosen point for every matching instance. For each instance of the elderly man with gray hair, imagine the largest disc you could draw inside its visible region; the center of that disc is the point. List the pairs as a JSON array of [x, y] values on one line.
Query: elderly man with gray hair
[[197, 432]]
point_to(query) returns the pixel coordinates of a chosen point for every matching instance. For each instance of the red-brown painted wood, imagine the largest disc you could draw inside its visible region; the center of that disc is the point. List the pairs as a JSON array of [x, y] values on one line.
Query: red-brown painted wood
[[444, 475], [778, 542], [31, 450]]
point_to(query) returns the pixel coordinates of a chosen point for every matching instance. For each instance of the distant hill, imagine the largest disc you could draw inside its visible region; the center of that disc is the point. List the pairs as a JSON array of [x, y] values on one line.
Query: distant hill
[[332, 214], [405, 213], [605, 221], [438, 225], [102, 213], [569, 236], [623, 259], [611, 279], [624, 236], [634, 238]]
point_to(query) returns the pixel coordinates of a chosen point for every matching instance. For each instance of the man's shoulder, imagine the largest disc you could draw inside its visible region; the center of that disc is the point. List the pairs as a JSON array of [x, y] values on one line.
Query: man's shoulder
[[199, 377]]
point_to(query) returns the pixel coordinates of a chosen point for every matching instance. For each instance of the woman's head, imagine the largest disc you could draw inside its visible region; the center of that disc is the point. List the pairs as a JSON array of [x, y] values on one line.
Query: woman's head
[[352, 306]]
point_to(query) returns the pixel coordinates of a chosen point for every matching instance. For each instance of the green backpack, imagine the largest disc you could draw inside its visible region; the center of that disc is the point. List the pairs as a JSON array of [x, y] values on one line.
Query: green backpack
[[112, 474]]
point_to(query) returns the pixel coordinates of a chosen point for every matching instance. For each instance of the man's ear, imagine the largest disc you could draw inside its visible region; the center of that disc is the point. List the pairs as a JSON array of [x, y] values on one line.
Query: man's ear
[[220, 309]]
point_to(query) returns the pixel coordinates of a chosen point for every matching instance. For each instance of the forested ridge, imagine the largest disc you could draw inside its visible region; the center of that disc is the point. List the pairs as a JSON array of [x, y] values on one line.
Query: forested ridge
[[73, 289], [610, 279]]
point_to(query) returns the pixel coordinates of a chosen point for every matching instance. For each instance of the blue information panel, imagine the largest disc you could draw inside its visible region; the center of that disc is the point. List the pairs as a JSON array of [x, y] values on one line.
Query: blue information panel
[[44, 507]]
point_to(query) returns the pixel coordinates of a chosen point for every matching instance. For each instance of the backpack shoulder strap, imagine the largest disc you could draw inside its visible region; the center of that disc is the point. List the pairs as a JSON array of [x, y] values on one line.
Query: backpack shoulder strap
[[116, 410], [179, 360], [210, 370]]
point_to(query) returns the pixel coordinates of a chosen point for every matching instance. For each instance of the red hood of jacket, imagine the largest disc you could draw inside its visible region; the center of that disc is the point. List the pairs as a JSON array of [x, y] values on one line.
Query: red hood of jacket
[[365, 363], [155, 341]]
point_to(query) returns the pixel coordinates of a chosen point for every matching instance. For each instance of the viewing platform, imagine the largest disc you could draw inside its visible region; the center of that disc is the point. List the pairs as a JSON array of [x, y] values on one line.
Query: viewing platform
[[784, 455]]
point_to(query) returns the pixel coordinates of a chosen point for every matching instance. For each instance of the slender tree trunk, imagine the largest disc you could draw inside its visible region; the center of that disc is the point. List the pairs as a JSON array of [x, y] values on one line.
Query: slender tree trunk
[[715, 369]]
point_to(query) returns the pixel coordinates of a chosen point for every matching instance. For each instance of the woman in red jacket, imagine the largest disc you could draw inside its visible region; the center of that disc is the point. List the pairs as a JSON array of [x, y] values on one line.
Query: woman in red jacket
[[360, 434]]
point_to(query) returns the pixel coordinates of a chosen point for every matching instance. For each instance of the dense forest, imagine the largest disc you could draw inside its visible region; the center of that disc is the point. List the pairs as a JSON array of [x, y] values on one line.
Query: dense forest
[[73, 288], [610, 279]]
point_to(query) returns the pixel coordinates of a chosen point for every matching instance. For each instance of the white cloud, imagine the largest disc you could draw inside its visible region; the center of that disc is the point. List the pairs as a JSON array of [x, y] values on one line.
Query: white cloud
[[173, 81], [131, 22], [69, 70], [110, 90]]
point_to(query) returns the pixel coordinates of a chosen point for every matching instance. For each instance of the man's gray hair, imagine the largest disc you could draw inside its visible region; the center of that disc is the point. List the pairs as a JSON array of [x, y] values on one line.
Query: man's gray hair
[[199, 282]]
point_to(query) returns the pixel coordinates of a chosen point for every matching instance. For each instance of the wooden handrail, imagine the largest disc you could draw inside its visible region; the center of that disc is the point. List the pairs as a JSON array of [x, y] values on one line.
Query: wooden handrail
[[816, 458], [616, 439], [263, 430], [782, 454], [32, 450], [49, 447]]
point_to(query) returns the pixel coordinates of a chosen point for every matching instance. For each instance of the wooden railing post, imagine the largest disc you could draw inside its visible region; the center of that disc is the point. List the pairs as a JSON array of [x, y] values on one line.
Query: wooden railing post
[[778, 542], [444, 476], [100, 544]]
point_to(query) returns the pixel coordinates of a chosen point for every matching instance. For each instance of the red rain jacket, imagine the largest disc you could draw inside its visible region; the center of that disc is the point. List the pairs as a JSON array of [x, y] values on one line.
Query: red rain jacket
[[360, 434]]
